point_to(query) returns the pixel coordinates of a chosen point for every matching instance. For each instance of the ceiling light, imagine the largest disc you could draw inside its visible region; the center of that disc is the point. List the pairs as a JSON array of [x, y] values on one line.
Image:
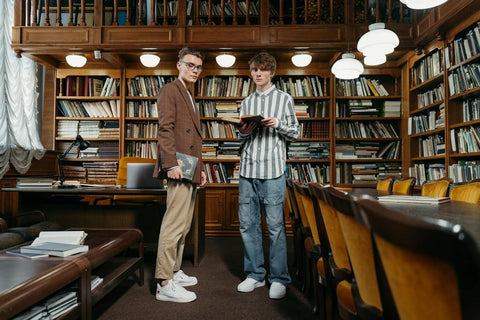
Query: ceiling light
[[225, 60], [422, 4], [75, 60], [149, 60], [301, 59], [375, 60], [377, 40], [348, 67]]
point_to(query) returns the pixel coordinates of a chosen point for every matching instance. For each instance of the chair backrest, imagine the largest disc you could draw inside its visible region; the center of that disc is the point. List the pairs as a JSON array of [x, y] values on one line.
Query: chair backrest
[[385, 185], [469, 192], [333, 230], [291, 201], [432, 267], [360, 251], [122, 180], [437, 188], [303, 195], [301, 209], [403, 186]]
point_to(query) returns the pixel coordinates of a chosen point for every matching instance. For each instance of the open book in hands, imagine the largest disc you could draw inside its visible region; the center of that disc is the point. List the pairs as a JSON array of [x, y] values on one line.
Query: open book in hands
[[257, 118]]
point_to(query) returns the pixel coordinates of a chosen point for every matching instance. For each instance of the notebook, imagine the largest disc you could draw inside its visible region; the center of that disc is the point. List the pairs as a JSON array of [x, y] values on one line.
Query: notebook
[[140, 176]]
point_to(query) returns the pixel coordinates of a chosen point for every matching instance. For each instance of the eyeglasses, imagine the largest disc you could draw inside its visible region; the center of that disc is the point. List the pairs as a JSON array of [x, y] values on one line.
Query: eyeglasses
[[190, 66]]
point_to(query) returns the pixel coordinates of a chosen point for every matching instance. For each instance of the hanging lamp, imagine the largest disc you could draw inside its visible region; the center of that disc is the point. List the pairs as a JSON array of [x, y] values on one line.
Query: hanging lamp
[[149, 60], [301, 59], [225, 60], [377, 40], [375, 60], [76, 60], [347, 67], [422, 4]]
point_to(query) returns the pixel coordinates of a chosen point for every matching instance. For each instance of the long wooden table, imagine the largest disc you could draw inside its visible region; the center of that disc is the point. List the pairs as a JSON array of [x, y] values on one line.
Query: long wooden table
[[31, 198], [25, 282], [465, 214]]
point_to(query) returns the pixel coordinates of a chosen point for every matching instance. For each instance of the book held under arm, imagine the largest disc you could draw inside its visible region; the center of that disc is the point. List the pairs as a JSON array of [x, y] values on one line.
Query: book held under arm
[[187, 164]]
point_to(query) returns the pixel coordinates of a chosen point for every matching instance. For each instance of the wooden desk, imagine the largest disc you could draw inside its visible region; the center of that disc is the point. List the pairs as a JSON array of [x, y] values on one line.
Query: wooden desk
[[25, 282], [465, 214], [36, 198]]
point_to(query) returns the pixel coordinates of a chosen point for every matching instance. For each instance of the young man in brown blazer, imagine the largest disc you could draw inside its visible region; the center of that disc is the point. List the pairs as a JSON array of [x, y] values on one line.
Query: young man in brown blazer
[[179, 131]]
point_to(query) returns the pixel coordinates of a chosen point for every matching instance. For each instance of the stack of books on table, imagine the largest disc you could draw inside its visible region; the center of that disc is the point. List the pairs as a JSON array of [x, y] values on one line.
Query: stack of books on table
[[413, 199], [54, 243], [34, 182]]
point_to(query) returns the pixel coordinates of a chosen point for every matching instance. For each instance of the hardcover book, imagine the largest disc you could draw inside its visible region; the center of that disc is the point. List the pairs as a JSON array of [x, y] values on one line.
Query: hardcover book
[[257, 118], [187, 164], [55, 249]]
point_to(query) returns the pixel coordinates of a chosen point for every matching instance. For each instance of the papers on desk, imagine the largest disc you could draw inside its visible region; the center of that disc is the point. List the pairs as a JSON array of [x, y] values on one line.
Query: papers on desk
[[413, 199], [55, 249]]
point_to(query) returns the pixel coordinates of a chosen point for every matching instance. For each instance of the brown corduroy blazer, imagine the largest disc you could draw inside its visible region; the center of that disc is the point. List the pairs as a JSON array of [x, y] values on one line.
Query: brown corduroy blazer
[[179, 129]]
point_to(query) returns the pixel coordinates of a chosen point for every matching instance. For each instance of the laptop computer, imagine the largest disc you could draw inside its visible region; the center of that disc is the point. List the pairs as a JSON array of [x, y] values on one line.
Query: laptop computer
[[139, 176]]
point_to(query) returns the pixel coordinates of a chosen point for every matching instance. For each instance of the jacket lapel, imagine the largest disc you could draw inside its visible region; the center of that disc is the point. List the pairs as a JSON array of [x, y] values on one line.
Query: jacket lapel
[[188, 103]]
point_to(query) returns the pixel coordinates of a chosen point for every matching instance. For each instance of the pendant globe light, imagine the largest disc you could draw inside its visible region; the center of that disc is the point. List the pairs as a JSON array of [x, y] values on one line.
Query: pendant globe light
[[377, 40], [225, 60], [76, 60], [347, 67], [422, 4], [375, 60], [301, 59]]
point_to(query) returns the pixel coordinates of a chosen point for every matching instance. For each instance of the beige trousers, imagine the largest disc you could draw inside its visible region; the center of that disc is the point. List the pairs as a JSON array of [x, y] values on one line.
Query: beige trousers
[[174, 229]]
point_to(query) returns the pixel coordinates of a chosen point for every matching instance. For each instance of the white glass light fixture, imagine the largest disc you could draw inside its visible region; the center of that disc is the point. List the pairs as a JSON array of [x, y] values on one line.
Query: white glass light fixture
[[377, 40], [348, 67], [225, 60], [375, 60], [301, 59], [422, 4], [76, 60], [149, 60]]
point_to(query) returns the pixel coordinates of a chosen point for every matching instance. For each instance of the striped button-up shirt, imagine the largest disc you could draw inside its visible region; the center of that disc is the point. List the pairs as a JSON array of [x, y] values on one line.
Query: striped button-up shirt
[[264, 150]]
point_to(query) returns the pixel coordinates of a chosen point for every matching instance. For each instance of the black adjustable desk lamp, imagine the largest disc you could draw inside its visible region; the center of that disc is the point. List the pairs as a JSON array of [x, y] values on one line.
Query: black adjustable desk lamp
[[82, 145]]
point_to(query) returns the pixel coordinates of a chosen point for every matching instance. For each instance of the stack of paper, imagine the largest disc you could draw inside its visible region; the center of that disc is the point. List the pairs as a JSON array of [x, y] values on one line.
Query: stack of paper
[[413, 199]]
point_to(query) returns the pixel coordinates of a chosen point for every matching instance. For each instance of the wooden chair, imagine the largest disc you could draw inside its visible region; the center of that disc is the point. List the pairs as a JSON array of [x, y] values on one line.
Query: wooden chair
[[437, 188], [469, 192], [385, 185], [403, 186], [338, 261], [432, 267], [122, 181], [365, 291], [298, 246]]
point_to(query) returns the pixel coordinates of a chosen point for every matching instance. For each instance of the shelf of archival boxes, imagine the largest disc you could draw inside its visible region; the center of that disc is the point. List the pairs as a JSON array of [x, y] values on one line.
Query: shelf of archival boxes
[[427, 133], [427, 107], [429, 83]]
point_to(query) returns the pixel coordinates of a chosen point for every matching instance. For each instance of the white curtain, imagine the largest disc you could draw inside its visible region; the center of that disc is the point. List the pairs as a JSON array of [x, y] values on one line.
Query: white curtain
[[19, 139]]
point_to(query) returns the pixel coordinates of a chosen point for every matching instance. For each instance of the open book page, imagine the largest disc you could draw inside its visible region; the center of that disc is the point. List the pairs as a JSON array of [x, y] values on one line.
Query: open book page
[[257, 118], [67, 237]]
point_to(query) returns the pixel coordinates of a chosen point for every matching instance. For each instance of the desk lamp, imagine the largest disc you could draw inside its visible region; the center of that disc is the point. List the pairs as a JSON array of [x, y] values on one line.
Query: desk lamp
[[82, 145]]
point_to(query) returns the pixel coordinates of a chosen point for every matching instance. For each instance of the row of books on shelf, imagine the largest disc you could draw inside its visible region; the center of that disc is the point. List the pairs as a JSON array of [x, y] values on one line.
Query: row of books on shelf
[[141, 130], [427, 172], [232, 86], [427, 68], [471, 109], [430, 120], [368, 150], [466, 46], [367, 108], [430, 96], [147, 86], [365, 173], [464, 78], [142, 149], [218, 129], [307, 172], [88, 86], [314, 130], [303, 150], [308, 86], [218, 173], [464, 171], [142, 109], [219, 108], [93, 109], [99, 172], [360, 87], [465, 140], [432, 145], [365, 129], [221, 150], [88, 129]]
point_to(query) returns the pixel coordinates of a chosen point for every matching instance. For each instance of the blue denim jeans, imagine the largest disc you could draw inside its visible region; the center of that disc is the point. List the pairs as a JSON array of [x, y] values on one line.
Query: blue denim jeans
[[255, 195]]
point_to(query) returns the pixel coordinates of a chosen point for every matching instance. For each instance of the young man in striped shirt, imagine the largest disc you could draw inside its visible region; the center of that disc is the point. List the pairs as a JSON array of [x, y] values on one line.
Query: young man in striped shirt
[[262, 181]]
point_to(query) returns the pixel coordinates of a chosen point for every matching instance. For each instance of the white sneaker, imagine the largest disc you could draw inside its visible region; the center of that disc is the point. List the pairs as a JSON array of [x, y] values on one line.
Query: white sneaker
[[277, 290], [181, 279], [249, 284], [174, 293]]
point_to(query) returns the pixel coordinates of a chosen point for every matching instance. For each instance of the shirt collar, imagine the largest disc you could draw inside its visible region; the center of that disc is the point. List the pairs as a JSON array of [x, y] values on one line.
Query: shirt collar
[[262, 93]]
